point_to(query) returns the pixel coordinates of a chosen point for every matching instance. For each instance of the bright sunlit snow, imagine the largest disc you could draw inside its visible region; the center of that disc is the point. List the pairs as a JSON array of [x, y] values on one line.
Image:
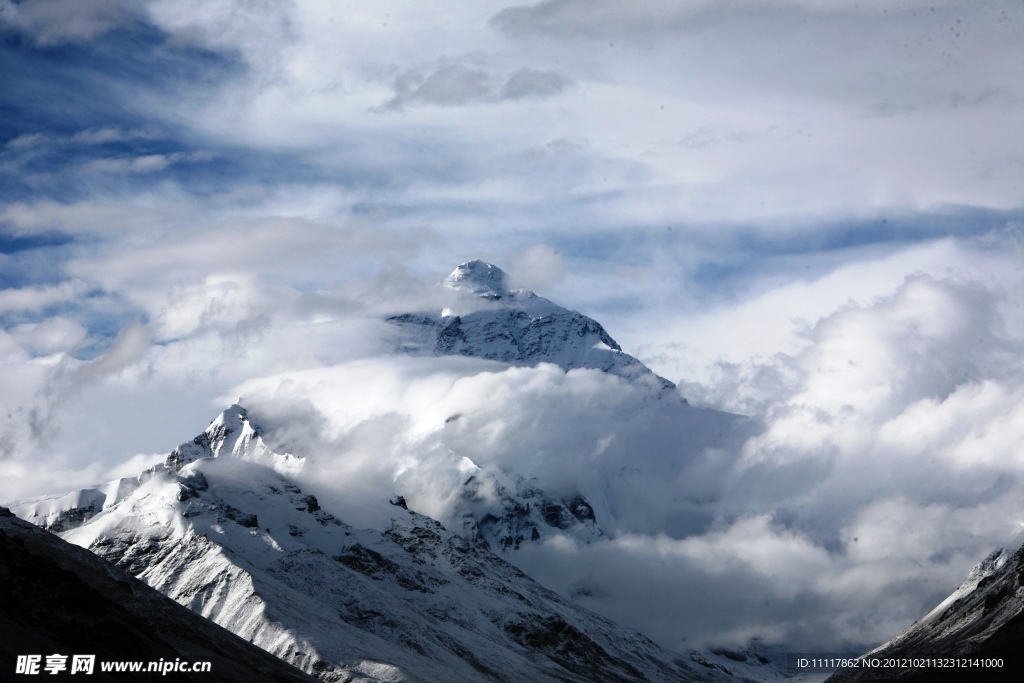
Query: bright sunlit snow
[[779, 244]]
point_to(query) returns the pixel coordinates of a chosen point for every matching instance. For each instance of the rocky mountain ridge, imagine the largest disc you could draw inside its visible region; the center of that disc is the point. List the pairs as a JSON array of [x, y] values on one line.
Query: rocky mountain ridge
[[217, 529]]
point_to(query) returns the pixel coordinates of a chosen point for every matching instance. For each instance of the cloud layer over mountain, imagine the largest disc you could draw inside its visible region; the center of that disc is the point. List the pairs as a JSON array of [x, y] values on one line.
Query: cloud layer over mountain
[[806, 214]]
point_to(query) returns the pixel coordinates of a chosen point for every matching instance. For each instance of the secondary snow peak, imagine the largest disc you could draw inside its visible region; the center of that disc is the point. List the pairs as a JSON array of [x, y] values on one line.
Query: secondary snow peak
[[234, 434]]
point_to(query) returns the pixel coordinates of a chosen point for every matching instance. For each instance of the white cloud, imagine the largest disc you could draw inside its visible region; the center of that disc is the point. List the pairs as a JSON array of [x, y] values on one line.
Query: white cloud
[[53, 335], [146, 163], [867, 366], [448, 85], [90, 136], [108, 134], [885, 466], [727, 345], [88, 218], [52, 21], [455, 85], [129, 346], [218, 303], [36, 298], [133, 465], [783, 88], [26, 141], [772, 138], [539, 268], [530, 83]]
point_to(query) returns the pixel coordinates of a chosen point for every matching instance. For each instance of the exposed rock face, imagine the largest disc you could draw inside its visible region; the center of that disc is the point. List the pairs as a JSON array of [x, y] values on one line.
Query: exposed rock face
[[522, 513]]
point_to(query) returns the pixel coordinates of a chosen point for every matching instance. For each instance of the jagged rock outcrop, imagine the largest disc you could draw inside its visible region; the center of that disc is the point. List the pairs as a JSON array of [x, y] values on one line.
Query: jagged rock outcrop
[[511, 514]]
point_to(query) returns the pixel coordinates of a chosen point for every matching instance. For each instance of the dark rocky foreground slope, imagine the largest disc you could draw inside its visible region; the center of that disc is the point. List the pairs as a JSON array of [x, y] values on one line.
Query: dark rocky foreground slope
[[58, 598], [982, 620]]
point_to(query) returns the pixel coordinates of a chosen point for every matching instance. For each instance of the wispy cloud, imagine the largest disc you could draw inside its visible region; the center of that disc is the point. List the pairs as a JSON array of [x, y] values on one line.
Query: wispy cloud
[[36, 298], [454, 85], [50, 21], [94, 136], [808, 213], [147, 163]]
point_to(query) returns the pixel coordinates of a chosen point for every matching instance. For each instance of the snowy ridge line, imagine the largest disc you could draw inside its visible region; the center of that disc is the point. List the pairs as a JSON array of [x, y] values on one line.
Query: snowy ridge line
[[220, 530]]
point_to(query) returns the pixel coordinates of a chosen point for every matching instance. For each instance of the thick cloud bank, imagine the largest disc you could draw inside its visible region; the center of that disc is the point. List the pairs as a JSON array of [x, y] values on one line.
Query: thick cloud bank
[[803, 213], [885, 461], [881, 457]]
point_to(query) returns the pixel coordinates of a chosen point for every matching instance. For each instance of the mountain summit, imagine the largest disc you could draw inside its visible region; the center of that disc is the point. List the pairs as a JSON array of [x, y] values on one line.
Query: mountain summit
[[479, 278], [488, 320]]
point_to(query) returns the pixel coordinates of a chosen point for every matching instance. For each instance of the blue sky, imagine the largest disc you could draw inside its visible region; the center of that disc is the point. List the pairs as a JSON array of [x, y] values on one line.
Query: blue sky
[[197, 195]]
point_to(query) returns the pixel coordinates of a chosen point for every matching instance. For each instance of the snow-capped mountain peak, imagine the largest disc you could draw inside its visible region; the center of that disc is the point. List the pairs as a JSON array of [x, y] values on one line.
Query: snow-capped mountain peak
[[486, 319], [478, 285], [234, 434], [478, 278], [231, 434]]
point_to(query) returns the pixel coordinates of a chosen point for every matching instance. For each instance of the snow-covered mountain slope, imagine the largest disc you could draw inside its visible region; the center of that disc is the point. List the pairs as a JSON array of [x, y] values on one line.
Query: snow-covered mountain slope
[[59, 598], [231, 433], [236, 541], [488, 320], [982, 619]]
